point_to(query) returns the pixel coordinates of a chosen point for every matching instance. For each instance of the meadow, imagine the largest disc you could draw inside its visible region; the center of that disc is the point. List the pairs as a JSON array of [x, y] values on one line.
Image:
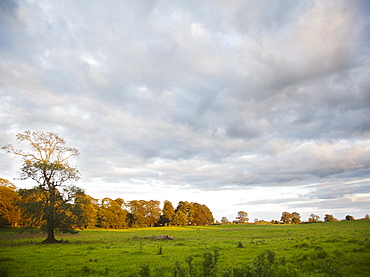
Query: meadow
[[316, 249]]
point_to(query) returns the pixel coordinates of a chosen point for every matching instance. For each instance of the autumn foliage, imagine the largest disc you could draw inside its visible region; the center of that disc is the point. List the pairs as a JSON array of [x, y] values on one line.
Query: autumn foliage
[[23, 207], [56, 204]]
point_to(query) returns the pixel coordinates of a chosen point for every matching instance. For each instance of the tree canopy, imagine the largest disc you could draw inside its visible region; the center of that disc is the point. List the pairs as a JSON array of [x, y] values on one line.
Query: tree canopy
[[314, 218], [242, 217], [290, 217], [47, 163], [9, 212], [329, 218]]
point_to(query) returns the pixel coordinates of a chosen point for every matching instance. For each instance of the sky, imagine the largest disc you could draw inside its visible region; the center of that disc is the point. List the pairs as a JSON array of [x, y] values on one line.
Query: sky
[[255, 106]]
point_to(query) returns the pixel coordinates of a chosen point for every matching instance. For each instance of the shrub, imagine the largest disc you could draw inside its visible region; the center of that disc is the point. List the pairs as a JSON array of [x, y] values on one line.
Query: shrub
[[178, 270], [210, 263], [264, 264], [144, 271]]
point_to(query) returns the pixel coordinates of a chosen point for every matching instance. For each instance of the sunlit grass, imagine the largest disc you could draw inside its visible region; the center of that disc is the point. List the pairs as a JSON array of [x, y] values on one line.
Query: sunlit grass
[[100, 252]]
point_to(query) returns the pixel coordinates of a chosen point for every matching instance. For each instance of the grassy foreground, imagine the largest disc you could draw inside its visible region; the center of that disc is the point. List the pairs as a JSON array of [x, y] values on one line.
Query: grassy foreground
[[320, 249]]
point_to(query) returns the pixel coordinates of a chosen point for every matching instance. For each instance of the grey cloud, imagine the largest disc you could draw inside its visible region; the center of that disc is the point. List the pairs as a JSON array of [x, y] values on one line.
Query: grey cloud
[[344, 200], [344, 204], [8, 10], [274, 201], [334, 190], [225, 95]]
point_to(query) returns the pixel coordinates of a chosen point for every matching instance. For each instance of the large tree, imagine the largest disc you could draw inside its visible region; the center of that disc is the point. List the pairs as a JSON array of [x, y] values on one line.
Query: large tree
[[46, 161]]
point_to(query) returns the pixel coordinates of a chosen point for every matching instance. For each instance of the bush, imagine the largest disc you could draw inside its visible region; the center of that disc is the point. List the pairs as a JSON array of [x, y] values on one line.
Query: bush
[[4, 271], [144, 271], [210, 263], [264, 264]]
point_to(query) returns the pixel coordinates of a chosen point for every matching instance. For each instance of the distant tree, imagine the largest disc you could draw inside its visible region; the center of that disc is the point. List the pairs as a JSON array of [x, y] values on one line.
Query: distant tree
[[185, 207], [32, 203], [137, 213], [296, 218], [196, 213], [121, 212], [242, 217], [286, 217], [224, 220], [329, 218], [200, 215], [47, 164], [168, 212], [85, 210], [180, 219], [112, 214], [144, 213], [152, 212], [209, 219], [9, 212], [314, 218], [367, 216], [349, 217]]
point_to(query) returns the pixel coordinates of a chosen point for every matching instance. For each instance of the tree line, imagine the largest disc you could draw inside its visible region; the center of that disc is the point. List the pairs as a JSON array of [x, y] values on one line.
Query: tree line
[[55, 203], [286, 218], [29, 207], [295, 218]]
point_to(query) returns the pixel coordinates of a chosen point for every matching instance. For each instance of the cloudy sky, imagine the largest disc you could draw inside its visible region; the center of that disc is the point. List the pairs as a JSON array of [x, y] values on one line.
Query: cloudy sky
[[260, 106]]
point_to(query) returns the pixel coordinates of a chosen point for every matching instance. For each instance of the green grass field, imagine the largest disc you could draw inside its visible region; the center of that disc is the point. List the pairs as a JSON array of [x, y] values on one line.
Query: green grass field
[[320, 249]]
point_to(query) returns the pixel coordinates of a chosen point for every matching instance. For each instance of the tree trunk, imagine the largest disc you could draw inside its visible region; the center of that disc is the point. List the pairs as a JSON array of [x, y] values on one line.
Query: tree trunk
[[51, 238], [50, 221]]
